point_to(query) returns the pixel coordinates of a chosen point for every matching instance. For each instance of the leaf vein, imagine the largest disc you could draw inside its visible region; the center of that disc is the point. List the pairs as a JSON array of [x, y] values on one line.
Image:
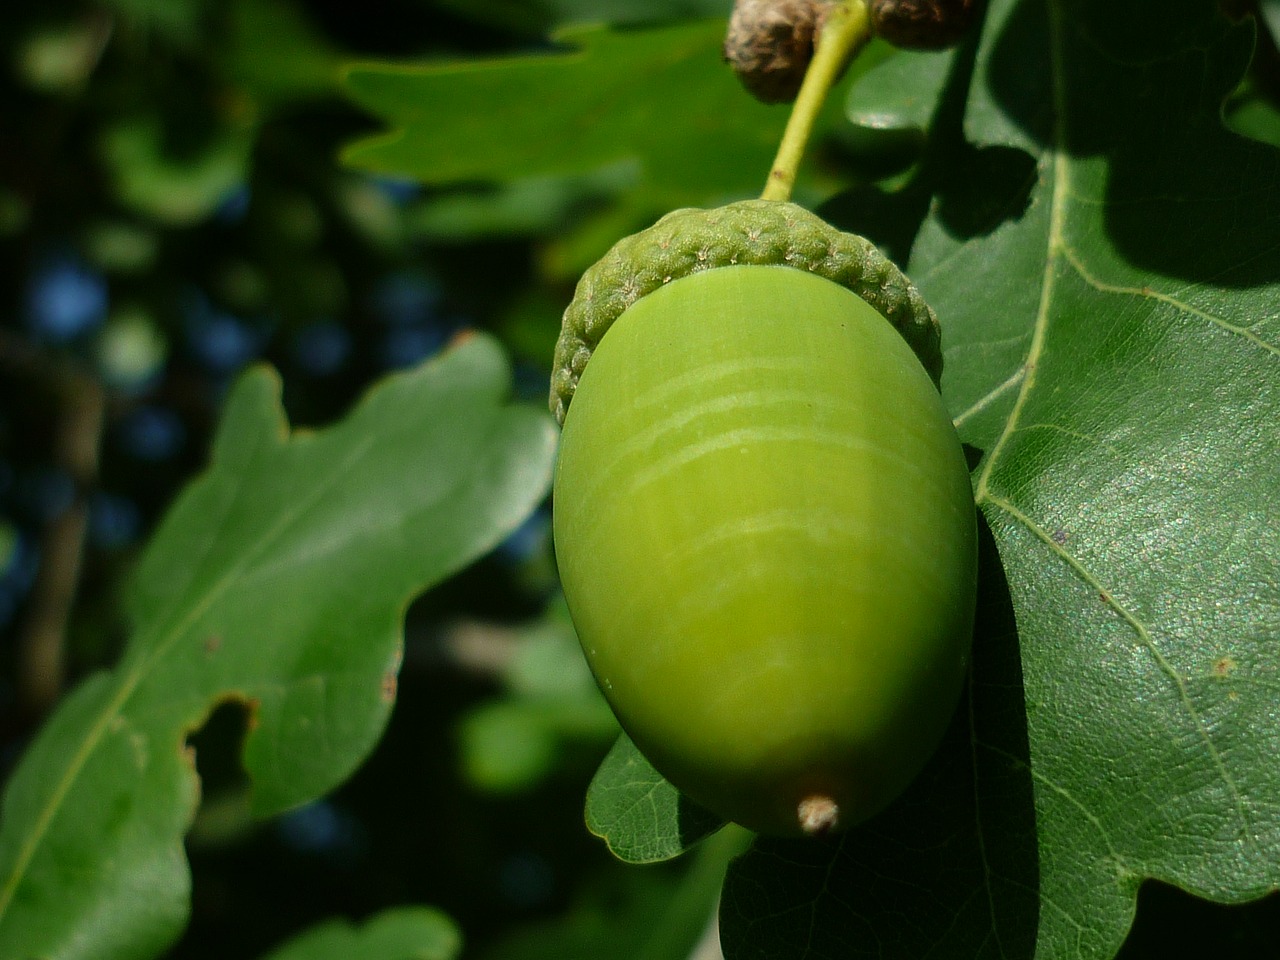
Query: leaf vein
[[1144, 636], [1148, 293], [1065, 794], [130, 680], [991, 396], [1061, 186]]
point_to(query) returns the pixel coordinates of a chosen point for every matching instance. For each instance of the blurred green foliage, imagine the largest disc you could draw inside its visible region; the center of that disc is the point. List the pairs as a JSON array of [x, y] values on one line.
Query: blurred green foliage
[[172, 208]]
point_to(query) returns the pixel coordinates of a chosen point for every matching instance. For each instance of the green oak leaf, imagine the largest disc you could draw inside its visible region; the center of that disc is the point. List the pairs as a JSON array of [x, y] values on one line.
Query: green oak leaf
[[404, 933], [1252, 113], [530, 206], [900, 92], [1104, 258], [609, 96], [890, 109], [279, 579], [639, 814]]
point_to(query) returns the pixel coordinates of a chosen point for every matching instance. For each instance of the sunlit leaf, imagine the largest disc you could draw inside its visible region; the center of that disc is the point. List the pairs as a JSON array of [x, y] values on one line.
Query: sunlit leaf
[[278, 579], [1104, 258], [605, 97]]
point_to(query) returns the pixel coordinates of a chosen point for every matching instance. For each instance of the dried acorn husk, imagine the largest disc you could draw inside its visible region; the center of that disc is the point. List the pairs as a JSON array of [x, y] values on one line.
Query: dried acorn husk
[[763, 519], [770, 43], [922, 24]]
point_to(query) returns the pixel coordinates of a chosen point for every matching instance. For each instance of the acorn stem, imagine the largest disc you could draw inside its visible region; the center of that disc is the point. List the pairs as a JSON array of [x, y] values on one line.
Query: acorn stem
[[846, 31], [818, 815]]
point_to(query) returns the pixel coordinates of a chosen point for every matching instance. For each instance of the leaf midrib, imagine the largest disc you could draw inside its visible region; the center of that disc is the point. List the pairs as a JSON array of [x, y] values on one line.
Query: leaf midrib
[[1058, 253], [132, 679]]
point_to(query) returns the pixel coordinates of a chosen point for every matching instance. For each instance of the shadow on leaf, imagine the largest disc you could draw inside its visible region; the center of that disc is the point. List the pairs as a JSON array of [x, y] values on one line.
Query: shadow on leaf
[[1173, 923], [972, 190], [1183, 195]]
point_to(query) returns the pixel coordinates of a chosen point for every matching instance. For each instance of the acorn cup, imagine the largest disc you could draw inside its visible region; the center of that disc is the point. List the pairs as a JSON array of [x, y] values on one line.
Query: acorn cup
[[922, 24], [769, 44], [762, 514]]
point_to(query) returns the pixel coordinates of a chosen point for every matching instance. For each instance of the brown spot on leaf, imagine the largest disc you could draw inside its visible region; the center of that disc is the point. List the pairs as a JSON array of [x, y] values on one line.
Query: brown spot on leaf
[[212, 644], [388, 691], [1223, 666]]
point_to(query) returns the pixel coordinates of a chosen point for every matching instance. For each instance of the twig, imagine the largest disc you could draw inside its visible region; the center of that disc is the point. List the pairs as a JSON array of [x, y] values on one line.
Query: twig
[[77, 442]]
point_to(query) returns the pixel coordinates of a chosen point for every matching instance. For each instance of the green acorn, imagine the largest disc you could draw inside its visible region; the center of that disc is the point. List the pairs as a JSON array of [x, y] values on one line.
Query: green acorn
[[763, 517]]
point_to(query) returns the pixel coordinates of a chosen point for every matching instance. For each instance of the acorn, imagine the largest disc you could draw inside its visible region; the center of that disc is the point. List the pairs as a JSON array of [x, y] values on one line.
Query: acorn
[[762, 514], [769, 44], [922, 24]]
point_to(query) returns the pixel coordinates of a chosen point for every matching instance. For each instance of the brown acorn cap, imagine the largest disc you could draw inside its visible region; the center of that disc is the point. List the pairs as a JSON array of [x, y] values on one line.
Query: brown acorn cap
[[758, 232], [769, 44], [922, 24]]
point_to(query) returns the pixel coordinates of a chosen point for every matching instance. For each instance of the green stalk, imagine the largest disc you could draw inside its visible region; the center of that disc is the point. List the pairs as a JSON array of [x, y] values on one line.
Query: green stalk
[[846, 31]]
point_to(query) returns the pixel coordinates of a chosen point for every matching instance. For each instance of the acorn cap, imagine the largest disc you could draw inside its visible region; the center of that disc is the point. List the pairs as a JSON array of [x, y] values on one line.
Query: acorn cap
[[922, 24], [769, 44], [757, 232]]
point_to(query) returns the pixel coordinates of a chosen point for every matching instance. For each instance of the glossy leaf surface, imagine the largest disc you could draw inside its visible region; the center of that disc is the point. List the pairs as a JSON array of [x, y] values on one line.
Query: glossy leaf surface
[[602, 97], [1103, 257]]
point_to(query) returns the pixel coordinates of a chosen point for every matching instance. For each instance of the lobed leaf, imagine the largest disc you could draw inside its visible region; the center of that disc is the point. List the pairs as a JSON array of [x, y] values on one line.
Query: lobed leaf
[[1104, 259], [599, 100], [604, 98], [279, 578]]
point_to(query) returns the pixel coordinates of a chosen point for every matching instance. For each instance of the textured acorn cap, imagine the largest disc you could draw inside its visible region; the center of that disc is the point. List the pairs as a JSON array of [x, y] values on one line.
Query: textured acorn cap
[[922, 24], [757, 232]]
